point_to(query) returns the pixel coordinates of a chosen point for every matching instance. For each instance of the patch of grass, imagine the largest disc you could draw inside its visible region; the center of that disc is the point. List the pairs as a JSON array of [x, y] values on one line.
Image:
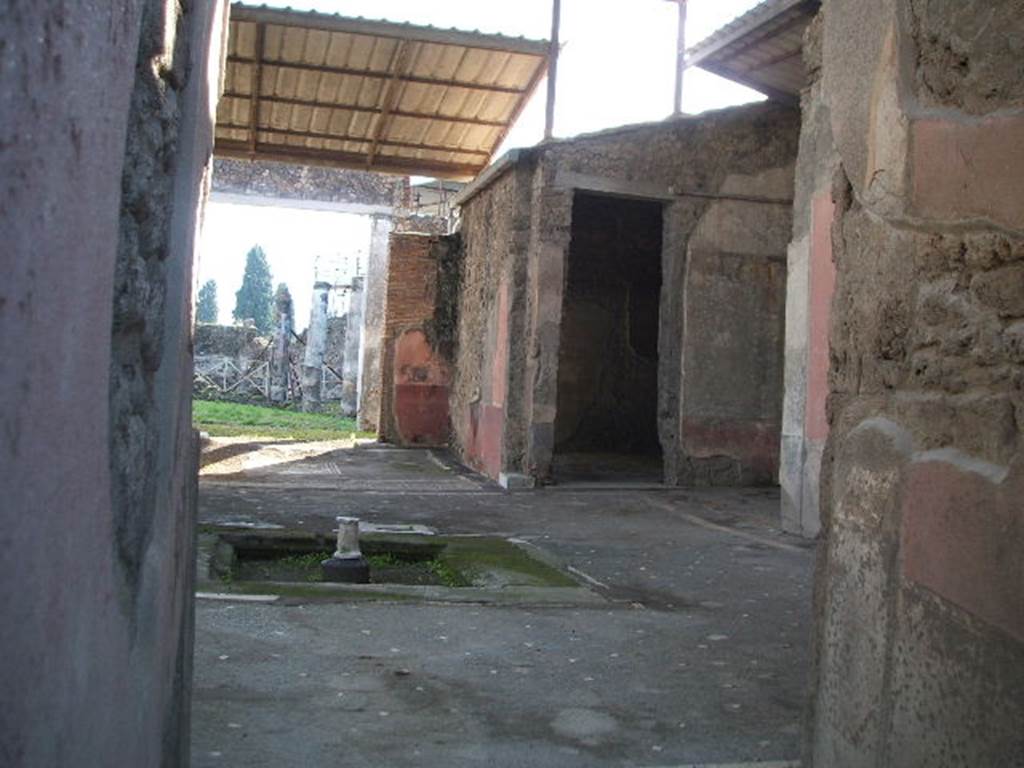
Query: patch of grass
[[304, 567], [384, 560], [448, 575], [223, 419], [392, 567]]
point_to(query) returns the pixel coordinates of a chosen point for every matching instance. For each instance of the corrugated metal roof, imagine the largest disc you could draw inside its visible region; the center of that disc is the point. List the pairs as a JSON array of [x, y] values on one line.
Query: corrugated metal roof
[[761, 49], [323, 89]]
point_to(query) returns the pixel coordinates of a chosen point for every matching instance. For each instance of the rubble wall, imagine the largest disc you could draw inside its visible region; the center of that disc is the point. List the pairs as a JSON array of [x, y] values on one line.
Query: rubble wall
[[481, 365], [919, 642], [107, 138], [716, 424]]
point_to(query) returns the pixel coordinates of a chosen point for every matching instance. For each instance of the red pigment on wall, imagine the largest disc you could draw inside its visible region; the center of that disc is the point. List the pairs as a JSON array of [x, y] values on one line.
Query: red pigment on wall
[[755, 444], [421, 391], [962, 537]]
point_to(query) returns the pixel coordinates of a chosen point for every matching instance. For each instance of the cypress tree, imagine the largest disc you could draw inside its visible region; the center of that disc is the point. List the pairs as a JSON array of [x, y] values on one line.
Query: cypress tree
[[206, 305], [255, 299]]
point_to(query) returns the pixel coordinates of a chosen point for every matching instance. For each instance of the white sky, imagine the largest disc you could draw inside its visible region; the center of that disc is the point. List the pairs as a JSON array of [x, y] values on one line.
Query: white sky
[[617, 66]]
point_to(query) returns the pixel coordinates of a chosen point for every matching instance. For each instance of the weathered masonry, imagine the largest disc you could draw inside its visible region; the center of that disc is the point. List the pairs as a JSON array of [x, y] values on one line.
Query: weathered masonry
[[625, 292], [911, 183], [105, 139]]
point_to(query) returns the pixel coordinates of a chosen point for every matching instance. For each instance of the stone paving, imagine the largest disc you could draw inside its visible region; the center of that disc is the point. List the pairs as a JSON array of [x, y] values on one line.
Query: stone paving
[[696, 653]]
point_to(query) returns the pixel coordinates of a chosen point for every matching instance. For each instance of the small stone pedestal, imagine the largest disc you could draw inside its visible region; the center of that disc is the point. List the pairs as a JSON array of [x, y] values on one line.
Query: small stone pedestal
[[347, 564]]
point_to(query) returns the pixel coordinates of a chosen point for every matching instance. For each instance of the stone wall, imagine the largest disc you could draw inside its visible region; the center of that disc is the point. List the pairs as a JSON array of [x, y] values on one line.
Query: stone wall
[[919, 616], [296, 183], [492, 238], [234, 341], [415, 378], [373, 324], [721, 303], [107, 131]]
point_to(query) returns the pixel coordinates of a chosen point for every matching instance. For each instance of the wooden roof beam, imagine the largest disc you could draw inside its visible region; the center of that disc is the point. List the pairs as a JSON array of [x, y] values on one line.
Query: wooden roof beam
[[389, 97], [361, 140], [257, 88], [380, 75], [368, 110]]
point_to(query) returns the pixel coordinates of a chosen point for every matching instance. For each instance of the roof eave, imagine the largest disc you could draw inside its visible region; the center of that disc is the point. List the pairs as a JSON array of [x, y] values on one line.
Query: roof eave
[[396, 30]]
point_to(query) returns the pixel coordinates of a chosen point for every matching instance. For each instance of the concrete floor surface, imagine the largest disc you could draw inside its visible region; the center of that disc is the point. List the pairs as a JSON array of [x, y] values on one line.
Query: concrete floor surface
[[698, 654]]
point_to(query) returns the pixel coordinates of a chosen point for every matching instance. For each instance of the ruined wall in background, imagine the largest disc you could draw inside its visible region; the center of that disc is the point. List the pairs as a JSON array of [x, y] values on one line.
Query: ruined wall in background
[[720, 335], [517, 228], [97, 452], [920, 620], [415, 378], [229, 363], [722, 282]]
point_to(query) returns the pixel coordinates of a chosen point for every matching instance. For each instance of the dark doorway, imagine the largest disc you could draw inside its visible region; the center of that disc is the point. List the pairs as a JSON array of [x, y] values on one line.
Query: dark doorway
[[606, 423]]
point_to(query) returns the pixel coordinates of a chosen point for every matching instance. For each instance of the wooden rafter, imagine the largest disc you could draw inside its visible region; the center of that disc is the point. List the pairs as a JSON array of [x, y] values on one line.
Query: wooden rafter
[[382, 75], [362, 140], [389, 96], [257, 88], [433, 116], [398, 98]]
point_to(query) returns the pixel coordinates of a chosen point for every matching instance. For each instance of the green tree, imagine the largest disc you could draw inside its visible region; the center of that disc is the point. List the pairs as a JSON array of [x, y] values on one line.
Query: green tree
[[255, 299], [206, 306]]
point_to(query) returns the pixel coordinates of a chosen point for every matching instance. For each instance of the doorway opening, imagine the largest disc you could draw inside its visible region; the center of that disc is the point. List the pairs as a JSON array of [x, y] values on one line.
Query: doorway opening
[[606, 422]]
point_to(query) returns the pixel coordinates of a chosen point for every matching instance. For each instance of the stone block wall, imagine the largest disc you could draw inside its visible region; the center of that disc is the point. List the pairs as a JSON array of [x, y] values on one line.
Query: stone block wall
[[721, 302], [107, 132], [919, 615]]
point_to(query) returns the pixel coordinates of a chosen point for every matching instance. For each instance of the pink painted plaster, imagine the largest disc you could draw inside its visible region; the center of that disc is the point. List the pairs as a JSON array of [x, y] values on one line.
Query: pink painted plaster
[[969, 169], [962, 537]]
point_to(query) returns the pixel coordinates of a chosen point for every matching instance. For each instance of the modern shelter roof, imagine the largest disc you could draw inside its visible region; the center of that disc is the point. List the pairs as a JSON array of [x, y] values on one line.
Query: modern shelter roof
[[323, 89], [761, 49]]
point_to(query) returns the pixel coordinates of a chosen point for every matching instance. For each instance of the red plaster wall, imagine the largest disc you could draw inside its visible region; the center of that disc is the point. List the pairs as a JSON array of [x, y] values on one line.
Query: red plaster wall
[[421, 392], [754, 444], [961, 538], [416, 380], [486, 419]]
